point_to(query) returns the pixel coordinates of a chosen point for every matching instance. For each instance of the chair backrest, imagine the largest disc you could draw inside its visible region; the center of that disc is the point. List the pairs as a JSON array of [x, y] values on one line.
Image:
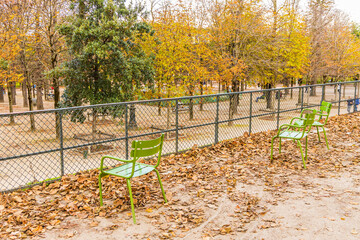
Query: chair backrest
[[309, 117], [147, 148], [325, 109]]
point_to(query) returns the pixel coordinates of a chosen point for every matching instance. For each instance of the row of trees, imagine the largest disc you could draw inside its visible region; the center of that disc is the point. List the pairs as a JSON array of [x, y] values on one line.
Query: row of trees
[[31, 48], [104, 51], [240, 42]]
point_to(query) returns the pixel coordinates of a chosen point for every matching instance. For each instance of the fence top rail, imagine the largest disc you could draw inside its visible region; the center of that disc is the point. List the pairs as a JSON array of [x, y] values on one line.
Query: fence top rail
[[117, 104]]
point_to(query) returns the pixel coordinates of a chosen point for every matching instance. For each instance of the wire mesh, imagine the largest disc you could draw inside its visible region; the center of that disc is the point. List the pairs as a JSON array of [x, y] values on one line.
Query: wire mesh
[[44, 145]]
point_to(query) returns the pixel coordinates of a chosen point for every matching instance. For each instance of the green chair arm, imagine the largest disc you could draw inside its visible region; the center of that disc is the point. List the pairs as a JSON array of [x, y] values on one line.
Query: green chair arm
[[299, 118], [288, 126], [114, 158]]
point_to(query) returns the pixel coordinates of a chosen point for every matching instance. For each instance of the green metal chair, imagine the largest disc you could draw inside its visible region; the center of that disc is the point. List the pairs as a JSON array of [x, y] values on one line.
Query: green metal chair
[[296, 132], [131, 168], [324, 112]]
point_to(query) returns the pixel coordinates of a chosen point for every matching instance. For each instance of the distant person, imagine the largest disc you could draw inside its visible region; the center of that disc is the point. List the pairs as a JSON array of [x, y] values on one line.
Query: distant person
[[357, 102], [350, 103]]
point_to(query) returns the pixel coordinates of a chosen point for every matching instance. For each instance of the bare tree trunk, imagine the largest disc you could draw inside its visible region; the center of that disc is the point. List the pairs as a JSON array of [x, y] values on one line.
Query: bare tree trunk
[[2, 94], [56, 102], [191, 103], [269, 97], [38, 79], [93, 125], [232, 107], [323, 97], [39, 94], [13, 90], [191, 109], [24, 93], [32, 119], [201, 100], [313, 89], [12, 120], [287, 81], [300, 95], [45, 87]]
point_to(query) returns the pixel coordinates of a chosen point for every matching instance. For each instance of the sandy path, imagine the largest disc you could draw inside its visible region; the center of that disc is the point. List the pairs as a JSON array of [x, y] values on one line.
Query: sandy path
[[326, 207]]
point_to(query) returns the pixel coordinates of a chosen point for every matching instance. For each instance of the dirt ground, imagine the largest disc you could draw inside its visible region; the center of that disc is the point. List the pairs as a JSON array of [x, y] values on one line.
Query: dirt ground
[[226, 191], [320, 208]]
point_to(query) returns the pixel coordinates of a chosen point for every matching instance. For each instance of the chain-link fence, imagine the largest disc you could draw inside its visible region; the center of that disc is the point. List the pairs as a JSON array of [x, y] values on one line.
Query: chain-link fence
[[44, 145]]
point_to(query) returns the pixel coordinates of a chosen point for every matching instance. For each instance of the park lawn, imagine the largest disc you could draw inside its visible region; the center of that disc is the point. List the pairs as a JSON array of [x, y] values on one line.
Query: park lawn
[[226, 191]]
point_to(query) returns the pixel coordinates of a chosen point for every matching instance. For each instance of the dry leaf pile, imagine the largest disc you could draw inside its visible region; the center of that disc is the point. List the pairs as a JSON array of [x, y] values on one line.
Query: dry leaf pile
[[200, 184]]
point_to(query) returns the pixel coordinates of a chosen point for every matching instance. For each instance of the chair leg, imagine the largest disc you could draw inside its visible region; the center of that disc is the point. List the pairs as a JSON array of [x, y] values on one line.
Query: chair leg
[[306, 148], [302, 155], [317, 128], [327, 144], [100, 190], [279, 145], [271, 152], [131, 200], [161, 186]]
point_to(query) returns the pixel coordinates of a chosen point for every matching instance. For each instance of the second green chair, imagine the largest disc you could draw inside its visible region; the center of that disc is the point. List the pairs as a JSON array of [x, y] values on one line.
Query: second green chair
[[296, 133], [324, 112]]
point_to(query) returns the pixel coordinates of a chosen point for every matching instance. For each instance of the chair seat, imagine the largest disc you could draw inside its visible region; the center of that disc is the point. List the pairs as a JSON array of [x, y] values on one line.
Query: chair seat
[[126, 169], [292, 134], [318, 124], [315, 124]]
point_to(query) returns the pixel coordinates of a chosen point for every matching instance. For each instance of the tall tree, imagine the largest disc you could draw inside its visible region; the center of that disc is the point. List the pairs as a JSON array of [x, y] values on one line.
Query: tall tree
[[9, 50], [107, 63], [319, 16]]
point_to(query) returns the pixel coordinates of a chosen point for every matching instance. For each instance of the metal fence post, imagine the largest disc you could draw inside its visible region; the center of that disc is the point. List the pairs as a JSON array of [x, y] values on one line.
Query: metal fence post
[[126, 133], [177, 126], [250, 114], [355, 95], [278, 110], [339, 89], [217, 120], [302, 98], [61, 142]]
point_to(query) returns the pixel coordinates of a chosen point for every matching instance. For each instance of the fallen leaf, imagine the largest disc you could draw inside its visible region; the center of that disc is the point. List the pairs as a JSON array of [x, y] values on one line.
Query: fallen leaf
[[18, 199], [94, 224]]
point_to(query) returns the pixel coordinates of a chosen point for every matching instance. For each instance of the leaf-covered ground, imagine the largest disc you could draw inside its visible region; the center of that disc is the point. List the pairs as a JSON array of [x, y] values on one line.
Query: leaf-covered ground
[[226, 191]]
